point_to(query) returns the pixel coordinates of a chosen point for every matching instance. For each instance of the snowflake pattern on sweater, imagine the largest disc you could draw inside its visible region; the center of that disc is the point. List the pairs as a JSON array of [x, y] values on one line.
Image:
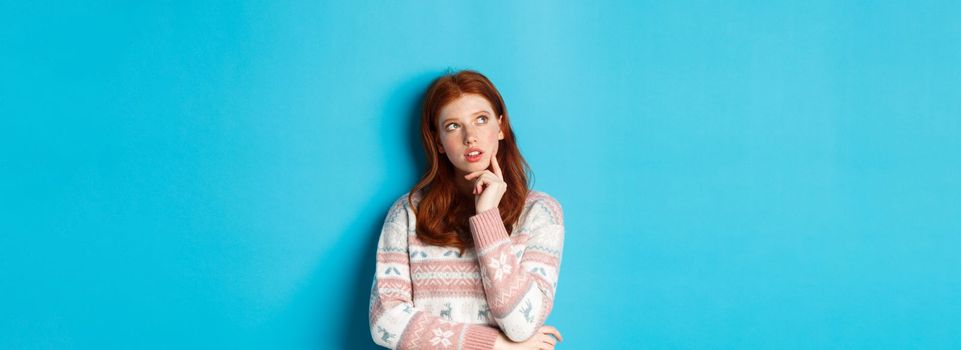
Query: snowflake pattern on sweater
[[431, 297]]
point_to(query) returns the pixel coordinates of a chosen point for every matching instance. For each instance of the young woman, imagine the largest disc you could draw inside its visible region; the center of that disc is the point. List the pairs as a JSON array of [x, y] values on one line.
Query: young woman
[[469, 259]]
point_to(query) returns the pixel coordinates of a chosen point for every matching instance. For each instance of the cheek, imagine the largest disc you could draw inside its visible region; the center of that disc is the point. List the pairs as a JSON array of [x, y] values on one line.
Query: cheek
[[484, 133], [492, 134], [447, 142], [448, 145]]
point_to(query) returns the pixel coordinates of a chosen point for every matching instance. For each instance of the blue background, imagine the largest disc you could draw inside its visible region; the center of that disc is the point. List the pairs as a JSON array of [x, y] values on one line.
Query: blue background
[[733, 175]]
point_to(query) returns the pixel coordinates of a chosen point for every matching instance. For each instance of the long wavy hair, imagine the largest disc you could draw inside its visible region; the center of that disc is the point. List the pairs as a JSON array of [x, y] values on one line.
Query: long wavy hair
[[442, 214]]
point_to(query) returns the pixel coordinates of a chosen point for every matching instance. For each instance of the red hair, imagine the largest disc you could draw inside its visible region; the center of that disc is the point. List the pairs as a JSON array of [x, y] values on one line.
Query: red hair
[[442, 214]]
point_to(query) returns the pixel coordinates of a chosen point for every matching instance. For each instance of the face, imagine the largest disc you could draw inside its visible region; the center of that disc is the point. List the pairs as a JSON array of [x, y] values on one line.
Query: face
[[468, 125]]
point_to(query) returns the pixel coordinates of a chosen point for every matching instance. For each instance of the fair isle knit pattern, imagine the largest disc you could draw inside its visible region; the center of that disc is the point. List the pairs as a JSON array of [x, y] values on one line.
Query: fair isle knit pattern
[[431, 297]]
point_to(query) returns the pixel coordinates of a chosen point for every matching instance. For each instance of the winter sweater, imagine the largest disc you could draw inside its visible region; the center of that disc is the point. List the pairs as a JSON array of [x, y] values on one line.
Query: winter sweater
[[431, 297]]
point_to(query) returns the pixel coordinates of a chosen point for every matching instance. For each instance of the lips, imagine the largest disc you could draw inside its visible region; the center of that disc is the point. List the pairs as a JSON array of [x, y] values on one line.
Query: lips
[[473, 158]]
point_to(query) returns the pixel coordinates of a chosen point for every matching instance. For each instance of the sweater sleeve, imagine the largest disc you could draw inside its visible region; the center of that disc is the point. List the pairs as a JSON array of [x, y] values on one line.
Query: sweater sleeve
[[520, 281], [395, 322]]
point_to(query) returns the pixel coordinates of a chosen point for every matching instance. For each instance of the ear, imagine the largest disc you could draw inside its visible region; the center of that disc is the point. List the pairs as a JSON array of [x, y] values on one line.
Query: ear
[[500, 132], [440, 148]]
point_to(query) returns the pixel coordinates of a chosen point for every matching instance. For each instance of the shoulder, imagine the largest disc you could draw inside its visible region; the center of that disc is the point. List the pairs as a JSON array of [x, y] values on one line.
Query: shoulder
[[540, 203], [400, 209], [535, 197], [401, 201]]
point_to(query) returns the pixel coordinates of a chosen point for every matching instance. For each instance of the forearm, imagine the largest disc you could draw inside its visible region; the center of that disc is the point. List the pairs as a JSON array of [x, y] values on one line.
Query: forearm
[[403, 326], [519, 300]]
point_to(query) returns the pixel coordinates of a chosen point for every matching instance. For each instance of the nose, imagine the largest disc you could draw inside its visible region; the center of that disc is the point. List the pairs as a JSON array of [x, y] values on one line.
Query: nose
[[470, 136]]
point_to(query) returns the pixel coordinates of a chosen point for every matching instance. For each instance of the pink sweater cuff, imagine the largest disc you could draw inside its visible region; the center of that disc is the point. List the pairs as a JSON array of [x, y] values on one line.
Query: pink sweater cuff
[[488, 228], [480, 337]]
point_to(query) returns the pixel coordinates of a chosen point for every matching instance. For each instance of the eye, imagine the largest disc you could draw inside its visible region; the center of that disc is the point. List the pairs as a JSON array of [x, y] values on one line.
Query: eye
[[449, 126], [483, 117]]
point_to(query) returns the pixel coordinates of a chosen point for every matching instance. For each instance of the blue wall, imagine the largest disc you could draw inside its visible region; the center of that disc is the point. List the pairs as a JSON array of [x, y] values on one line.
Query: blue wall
[[750, 175]]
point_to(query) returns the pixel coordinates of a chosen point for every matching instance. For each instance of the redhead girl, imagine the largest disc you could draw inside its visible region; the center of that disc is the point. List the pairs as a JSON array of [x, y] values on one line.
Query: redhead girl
[[470, 257]]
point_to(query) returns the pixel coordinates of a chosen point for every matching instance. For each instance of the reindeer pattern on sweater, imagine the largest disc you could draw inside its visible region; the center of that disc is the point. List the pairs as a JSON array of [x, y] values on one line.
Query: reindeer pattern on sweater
[[431, 297]]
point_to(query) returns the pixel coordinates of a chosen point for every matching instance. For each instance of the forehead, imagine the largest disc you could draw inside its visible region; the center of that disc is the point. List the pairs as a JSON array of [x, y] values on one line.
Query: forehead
[[465, 106]]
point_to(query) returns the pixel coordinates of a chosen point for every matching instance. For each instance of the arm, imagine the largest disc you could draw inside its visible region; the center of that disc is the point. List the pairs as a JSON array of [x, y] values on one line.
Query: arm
[[395, 322], [520, 285]]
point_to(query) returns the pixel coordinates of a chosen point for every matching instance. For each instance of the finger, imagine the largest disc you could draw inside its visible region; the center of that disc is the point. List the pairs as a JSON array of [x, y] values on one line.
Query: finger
[[474, 174], [480, 183], [479, 173], [478, 187], [496, 166], [549, 340], [552, 330], [485, 180]]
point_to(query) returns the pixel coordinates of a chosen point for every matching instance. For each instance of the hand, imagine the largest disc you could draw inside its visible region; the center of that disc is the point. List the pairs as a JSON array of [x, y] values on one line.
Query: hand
[[542, 339], [489, 187]]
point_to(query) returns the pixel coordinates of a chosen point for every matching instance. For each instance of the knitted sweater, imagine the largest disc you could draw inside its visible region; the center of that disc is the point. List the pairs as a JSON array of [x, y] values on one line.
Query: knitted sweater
[[431, 297]]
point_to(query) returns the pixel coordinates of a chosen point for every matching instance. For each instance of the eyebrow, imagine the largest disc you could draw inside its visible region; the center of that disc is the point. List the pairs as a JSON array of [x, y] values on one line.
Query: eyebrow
[[475, 113]]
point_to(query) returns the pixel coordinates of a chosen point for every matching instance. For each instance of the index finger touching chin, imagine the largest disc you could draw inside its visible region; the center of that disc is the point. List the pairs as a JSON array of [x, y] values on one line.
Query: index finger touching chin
[[496, 166]]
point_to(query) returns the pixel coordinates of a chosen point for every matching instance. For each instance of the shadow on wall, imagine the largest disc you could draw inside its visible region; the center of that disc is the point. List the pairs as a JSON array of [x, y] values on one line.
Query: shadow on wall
[[403, 111]]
